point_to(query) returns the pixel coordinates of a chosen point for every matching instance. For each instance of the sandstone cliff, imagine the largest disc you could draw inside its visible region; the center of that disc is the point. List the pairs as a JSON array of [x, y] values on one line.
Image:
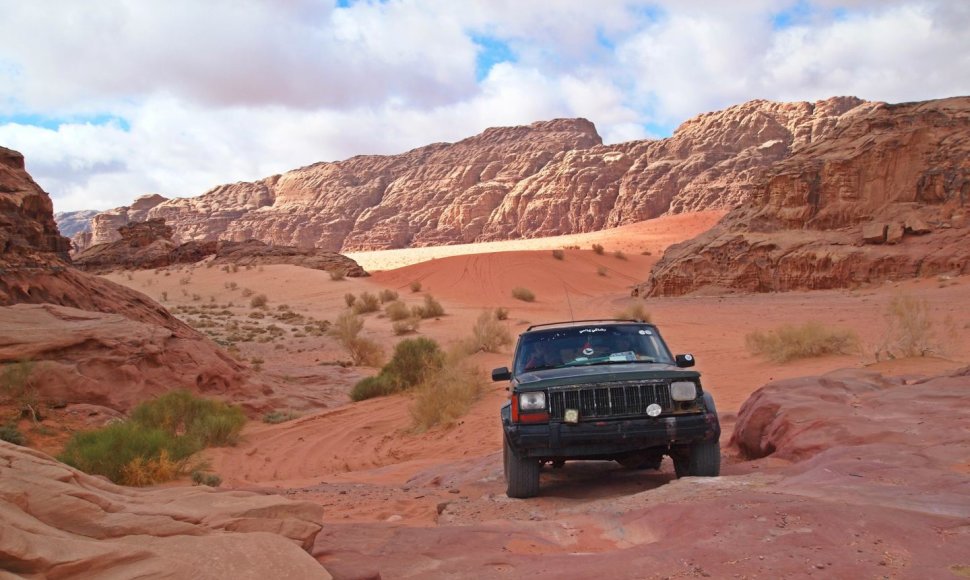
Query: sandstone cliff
[[93, 341], [882, 197], [149, 244], [548, 178]]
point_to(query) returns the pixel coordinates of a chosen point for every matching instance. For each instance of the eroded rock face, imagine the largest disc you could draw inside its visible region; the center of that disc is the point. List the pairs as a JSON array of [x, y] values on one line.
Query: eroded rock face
[[815, 216], [91, 340], [61, 523], [548, 178]]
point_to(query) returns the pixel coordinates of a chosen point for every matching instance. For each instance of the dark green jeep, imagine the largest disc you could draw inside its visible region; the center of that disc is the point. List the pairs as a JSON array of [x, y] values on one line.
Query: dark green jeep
[[603, 389]]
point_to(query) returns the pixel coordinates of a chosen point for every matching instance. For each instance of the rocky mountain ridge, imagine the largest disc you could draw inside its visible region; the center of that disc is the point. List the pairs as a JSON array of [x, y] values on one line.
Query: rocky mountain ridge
[[548, 178], [883, 197]]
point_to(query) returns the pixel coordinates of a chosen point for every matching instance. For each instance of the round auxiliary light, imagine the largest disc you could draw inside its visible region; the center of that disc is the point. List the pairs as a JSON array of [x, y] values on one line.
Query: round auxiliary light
[[653, 410]]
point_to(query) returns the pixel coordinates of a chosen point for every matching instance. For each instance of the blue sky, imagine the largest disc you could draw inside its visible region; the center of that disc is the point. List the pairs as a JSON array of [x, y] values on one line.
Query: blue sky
[[106, 106]]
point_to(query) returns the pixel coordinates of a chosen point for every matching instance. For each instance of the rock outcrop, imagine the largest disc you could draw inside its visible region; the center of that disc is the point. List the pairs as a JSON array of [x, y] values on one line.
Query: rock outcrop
[[61, 523], [548, 178], [882, 197], [93, 341], [149, 244]]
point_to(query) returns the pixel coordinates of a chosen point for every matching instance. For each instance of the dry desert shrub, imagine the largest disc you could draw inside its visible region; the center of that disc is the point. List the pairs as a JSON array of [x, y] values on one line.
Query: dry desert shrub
[[337, 275], [559, 254], [619, 255], [363, 351], [488, 334], [397, 310], [448, 394], [633, 311], [523, 294], [200, 477], [812, 339], [17, 389], [349, 299], [598, 249], [406, 325], [366, 303], [11, 434], [415, 286], [601, 271], [277, 416], [911, 330], [387, 295], [258, 301], [430, 309], [501, 313]]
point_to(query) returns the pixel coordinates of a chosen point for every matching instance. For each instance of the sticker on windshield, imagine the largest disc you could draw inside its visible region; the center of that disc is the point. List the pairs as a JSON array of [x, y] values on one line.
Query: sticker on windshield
[[592, 330], [588, 351], [646, 332]]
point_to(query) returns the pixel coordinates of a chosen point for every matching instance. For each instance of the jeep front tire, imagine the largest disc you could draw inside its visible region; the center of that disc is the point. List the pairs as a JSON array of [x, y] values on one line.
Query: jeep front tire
[[521, 473]]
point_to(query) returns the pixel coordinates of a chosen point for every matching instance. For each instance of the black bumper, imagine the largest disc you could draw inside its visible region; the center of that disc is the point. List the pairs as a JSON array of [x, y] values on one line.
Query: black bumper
[[597, 439]]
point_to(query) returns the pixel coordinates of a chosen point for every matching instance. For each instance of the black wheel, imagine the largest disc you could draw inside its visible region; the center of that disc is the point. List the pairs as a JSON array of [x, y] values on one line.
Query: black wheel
[[521, 474], [701, 459], [640, 461]]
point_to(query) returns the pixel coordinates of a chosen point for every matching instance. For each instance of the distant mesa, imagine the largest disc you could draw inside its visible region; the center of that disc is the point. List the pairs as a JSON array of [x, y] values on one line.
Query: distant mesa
[[148, 244], [545, 179]]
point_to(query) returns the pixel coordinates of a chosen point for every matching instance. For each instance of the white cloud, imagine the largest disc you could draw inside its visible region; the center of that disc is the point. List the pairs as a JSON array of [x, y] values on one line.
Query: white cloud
[[232, 90]]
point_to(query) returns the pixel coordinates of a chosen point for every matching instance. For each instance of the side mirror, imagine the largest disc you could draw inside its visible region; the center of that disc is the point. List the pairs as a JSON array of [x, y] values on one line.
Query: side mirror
[[683, 360], [501, 374]]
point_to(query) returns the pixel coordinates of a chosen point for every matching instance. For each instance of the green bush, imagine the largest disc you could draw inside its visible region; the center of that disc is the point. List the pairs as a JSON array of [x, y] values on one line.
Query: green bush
[[209, 422], [523, 294], [154, 444], [812, 339], [11, 434], [414, 359]]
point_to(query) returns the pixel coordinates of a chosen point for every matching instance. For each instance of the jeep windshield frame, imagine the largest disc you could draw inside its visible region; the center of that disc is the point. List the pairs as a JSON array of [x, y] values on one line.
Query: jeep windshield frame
[[590, 344]]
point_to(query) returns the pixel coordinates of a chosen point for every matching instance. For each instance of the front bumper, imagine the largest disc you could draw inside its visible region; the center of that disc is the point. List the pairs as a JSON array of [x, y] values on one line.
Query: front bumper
[[599, 439]]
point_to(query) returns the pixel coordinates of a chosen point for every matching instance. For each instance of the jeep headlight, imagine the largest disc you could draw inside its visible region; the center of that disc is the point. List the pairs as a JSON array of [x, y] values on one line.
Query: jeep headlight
[[535, 401], [683, 391]]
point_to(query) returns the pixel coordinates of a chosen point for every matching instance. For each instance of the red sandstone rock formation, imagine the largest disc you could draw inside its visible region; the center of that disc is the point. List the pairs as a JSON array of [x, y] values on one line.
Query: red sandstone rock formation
[[61, 523], [882, 197], [93, 341], [548, 178]]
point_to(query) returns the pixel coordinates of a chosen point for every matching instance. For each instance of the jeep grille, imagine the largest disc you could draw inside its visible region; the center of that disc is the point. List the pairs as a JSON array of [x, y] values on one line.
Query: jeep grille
[[615, 399]]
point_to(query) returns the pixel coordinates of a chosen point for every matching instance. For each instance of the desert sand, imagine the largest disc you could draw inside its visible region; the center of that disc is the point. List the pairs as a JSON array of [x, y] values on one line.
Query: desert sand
[[403, 504]]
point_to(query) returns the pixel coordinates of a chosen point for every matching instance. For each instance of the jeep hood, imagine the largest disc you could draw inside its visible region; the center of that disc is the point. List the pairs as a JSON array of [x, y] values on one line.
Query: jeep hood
[[565, 376]]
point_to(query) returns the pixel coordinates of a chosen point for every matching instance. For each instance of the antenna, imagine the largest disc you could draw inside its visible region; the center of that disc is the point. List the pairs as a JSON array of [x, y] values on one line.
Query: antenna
[[572, 317]]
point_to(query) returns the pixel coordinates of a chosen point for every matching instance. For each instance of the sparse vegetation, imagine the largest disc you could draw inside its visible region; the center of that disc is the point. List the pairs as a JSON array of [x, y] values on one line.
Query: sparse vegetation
[[406, 325], [397, 310], [447, 394], [247, 292], [349, 299], [523, 294], [413, 360], [501, 313], [363, 351], [277, 416], [155, 444], [366, 303], [337, 275], [601, 271], [790, 342], [387, 295], [17, 389], [200, 477], [430, 309], [488, 334], [259, 301], [598, 249], [633, 311], [415, 286], [11, 434], [910, 329], [619, 255], [559, 254]]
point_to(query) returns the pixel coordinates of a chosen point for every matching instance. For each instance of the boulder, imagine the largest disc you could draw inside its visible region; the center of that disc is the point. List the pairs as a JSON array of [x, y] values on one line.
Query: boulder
[[874, 233]]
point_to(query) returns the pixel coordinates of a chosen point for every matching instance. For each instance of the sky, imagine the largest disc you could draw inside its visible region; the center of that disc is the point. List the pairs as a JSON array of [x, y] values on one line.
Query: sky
[[112, 99]]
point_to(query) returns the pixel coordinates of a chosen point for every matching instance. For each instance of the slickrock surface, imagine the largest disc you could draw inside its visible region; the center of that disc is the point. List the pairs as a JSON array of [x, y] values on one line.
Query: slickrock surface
[[883, 197], [85, 333], [149, 244], [548, 178], [61, 523]]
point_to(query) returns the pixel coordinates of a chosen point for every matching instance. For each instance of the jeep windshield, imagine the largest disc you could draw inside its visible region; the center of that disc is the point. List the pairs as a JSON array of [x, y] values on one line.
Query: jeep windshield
[[590, 345]]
